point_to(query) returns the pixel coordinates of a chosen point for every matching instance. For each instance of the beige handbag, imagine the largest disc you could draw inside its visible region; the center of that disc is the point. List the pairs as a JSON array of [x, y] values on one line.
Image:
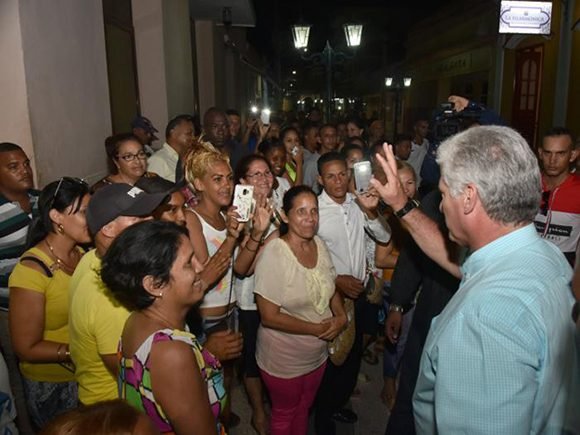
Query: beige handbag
[[339, 348]]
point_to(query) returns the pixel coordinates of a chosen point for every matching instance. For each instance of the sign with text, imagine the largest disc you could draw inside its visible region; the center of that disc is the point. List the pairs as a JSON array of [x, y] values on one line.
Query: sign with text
[[525, 17]]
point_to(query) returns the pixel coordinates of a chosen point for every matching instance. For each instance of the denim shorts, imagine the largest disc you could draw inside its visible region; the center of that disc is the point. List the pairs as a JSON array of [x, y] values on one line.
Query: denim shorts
[[46, 400]]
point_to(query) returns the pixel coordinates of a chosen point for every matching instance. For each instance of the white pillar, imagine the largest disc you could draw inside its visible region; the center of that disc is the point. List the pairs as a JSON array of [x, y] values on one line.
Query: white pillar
[[15, 120], [55, 75]]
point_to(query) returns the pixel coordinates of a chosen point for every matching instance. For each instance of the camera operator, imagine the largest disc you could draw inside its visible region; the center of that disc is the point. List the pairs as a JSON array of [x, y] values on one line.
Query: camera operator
[[456, 115]]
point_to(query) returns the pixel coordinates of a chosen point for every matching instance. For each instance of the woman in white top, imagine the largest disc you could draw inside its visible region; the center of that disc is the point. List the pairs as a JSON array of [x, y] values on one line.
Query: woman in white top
[[255, 171], [215, 236], [300, 312]]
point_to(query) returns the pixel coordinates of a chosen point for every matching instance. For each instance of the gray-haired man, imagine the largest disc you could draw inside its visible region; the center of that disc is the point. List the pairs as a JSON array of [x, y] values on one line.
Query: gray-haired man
[[501, 357]]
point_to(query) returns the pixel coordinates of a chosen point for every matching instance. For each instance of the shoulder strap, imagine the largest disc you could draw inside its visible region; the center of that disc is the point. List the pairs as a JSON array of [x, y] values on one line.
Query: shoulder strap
[[38, 261]]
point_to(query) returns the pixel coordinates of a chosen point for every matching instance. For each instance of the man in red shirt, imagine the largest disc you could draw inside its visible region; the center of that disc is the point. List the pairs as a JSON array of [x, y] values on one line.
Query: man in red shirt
[[558, 219]]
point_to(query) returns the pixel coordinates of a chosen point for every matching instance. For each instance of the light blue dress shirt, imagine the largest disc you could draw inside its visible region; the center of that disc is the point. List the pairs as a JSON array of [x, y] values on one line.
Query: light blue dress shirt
[[501, 358]]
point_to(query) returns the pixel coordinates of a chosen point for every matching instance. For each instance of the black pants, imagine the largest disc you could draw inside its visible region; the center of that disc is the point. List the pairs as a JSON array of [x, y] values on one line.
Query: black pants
[[339, 382], [431, 302]]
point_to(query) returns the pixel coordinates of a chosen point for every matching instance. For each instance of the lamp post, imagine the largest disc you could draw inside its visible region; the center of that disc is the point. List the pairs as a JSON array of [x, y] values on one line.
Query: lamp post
[[397, 86], [328, 56]]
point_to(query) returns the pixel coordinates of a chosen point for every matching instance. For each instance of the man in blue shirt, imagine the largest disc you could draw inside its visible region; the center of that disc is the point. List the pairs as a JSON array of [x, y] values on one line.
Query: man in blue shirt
[[501, 358]]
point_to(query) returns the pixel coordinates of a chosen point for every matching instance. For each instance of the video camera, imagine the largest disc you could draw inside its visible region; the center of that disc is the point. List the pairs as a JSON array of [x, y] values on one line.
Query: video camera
[[447, 121]]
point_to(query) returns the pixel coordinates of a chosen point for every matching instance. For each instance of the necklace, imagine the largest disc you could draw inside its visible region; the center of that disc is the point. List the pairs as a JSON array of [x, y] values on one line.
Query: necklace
[[60, 264], [159, 319]]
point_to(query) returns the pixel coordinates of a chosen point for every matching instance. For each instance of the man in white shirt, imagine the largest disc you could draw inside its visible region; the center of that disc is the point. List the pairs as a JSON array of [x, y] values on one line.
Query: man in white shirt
[[343, 220], [178, 140], [419, 147]]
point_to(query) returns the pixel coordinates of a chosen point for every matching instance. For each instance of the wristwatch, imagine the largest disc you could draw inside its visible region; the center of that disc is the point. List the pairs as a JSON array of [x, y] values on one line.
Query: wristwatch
[[410, 205]]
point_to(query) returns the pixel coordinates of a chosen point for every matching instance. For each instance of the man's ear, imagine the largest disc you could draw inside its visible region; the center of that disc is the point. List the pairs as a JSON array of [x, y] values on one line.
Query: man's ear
[[109, 230], [470, 198], [319, 179], [574, 155]]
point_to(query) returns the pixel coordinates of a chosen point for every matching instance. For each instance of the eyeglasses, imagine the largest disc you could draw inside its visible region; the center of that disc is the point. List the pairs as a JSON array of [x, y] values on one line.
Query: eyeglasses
[[266, 174], [545, 202], [68, 180], [141, 155]]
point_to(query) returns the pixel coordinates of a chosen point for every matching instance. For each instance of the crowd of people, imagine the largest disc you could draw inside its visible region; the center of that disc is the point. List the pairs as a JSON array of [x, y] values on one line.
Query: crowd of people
[[150, 288]]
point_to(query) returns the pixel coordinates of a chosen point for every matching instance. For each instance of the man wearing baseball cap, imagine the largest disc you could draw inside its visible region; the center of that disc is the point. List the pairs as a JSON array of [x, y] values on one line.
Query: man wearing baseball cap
[[96, 319], [144, 130]]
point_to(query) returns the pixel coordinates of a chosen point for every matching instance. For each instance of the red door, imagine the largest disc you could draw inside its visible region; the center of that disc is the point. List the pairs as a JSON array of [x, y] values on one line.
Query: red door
[[527, 92]]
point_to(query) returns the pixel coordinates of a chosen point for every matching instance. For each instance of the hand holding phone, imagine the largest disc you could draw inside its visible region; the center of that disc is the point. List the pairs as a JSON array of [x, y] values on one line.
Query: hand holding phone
[[243, 198], [362, 176], [265, 116]]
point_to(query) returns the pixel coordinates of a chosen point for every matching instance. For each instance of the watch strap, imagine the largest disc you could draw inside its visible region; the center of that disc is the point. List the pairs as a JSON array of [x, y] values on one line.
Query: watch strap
[[410, 205]]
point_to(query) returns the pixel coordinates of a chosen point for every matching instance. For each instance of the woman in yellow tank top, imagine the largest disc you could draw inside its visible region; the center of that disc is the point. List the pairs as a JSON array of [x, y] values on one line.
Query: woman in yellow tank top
[[39, 299]]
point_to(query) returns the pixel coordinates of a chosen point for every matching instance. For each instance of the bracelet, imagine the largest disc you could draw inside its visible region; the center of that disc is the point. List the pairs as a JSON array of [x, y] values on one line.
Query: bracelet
[[59, 352], [257, 241], [251, 250], [395, 307]]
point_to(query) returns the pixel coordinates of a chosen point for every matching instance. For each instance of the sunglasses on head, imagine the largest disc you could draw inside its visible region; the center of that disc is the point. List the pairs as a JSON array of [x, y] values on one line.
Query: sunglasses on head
[[68, 180]]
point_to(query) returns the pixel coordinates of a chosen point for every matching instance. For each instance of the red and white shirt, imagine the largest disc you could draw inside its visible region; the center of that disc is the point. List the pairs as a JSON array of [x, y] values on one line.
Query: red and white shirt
[[558, 219]]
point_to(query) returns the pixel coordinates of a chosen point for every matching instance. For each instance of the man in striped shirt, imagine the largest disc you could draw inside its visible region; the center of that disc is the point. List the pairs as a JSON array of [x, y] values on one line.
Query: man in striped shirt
[[558, 219], [17, 201]]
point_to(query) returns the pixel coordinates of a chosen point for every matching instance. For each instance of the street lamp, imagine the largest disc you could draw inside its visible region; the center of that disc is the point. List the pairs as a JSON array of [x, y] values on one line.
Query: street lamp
[[300, 34], [328, 56], [353, 34], [398, 87]]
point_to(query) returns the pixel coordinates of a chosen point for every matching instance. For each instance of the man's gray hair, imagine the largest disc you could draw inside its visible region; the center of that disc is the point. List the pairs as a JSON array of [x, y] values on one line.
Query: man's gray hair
[[499, 161]]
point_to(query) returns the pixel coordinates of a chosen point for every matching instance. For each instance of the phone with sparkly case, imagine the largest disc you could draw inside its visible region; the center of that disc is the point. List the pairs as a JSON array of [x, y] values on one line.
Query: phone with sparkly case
[[243, 197]]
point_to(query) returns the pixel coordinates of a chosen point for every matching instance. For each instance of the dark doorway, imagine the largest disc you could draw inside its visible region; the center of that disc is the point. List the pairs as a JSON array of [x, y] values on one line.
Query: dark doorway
[[527, 88], [121, 63]]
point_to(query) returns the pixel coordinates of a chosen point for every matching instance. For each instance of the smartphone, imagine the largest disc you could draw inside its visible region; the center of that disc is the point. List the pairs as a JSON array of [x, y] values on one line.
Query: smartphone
[[362, 176], [243, 198], [265, 116]]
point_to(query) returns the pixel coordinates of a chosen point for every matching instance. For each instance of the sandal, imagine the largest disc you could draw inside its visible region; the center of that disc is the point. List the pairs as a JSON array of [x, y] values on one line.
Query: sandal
[[261, 427], [370, 357]]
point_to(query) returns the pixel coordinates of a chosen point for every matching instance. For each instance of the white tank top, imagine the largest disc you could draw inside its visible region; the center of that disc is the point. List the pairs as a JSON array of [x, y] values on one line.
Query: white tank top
[[222, 292], [244, 287]]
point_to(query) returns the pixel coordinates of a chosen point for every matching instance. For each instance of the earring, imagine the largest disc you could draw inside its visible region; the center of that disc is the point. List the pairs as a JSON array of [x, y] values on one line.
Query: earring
[[160, 294], [60, 229]]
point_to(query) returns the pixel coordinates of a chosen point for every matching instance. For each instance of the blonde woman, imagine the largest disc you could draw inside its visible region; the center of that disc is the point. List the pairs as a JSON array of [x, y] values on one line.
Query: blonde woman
[[215, 234]]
